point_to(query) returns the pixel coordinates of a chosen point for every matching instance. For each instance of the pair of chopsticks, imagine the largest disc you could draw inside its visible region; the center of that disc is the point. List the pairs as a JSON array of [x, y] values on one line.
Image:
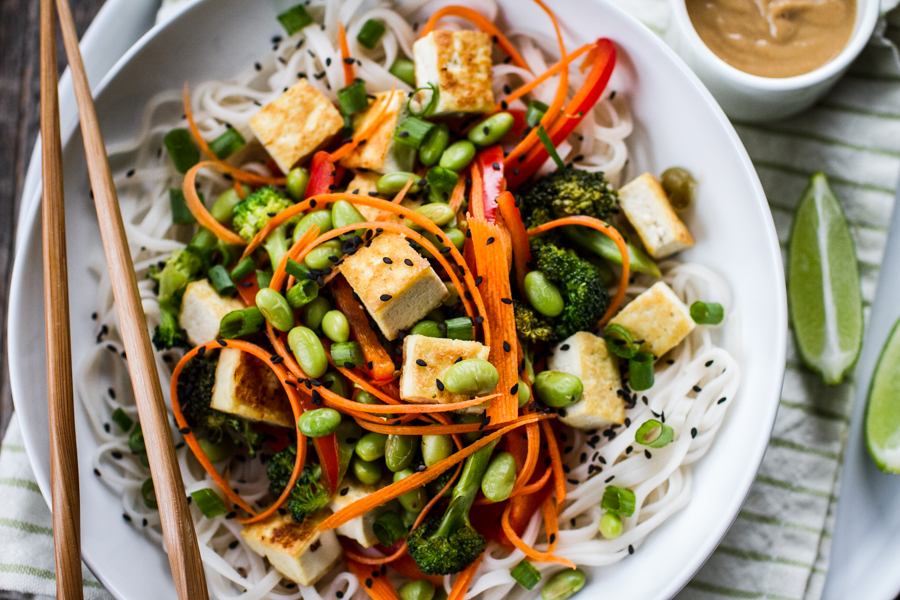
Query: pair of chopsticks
[[178, 529]]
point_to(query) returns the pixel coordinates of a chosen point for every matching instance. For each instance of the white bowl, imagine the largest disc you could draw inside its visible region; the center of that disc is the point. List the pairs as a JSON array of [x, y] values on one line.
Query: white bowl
[[753, 98], [676, 122]]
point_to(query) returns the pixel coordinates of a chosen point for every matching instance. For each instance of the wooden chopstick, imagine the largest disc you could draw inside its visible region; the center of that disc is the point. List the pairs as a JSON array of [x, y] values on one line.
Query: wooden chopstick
[[63, 452], [177, 526]]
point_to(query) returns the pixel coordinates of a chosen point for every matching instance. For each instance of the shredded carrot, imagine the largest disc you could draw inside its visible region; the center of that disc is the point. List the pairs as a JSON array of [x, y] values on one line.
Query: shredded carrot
[[462, 583], [480, 21], [476, 203], [521, 251], [239, 189], [198, 209], [559, 477], [378, 361], [530, 552], [407, 567], [551, 522], [458, 195], [531, 85], [533, 435], [362, 135], [373, 560], [612, 234], [387, 409], [450, 429], [379, 587], [345, 54], [535, 487]]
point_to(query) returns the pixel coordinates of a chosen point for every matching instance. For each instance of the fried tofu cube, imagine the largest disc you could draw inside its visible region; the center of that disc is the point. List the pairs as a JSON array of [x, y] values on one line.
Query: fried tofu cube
[[418, 383], [381, 153], [658, 317], [360, 528], [396, 294], [202, 309], [585, 356], [296, 550], [647, 207], [245, 386], [459, 64], [296, 124]]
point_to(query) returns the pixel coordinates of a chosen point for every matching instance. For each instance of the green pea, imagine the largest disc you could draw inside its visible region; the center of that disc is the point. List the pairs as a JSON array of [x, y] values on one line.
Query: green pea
[[335, 382], [413, 500], [217, 452], [319, 422], [610, 525], [371, 446], [498, 480], [457, 237], [343, 213], [222, 209], [491, 130], [472, 377], [426, 328], [557, 389], [458, 156], [399, 451], [438, 213], [320, 218], [392, 183], [419, 589], [367, 472], [543, 296], [453, 298], [308, 351], [313, 313], [275, 309], [336, 326], [297, 180], [436, 448], [524, 394], [680, 186], [434, 144], [563, 585], [468, 419], [324, 255]]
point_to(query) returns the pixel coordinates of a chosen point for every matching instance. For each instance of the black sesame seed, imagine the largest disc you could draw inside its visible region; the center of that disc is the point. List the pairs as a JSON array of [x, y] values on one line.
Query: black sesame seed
[[421, 362], [610, 478], [486, 130], [344, 491], [647, 454], [439, 384], [97, 472], [387, 261], [369, 582], [407, 262], [630, 549], [506, 346], [564, 347], [721, 400], [693, 432], [106, 427], [385, 297], [490, 241], [184, 430], [709, 363], [126, 517], [506, 300], [514, 389], [698, 389], [485, 422]]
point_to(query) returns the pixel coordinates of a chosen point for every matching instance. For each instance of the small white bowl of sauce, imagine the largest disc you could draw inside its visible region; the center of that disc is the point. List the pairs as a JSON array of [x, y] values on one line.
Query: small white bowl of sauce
[[769, 59]]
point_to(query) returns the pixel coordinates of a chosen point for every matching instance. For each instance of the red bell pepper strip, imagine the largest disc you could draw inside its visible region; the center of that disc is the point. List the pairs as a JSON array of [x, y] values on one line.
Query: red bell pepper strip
[[327, 450], [322, 174], [602, 58], [490, 162], [512, 218], [247, 288]]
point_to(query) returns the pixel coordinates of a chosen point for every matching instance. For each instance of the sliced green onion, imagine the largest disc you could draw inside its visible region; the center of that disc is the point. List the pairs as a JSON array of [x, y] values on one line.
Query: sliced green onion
[[239, 323], [536, 111], [526, 575], [640, 371], [182, 149], [412, 131], [404, 70], [370, 33], [619, 501], [243, 268], [459, 329], [136, 440], [654, 434], [432, 101], [707, 313], [122, 420], [352, 98], [209, 503], [294, 19], [347, 354], [551, 149], [263, 278], [302, 293], [441, 179], [204, 241], [227, 144], [229, 252], [619, 341], [144, 460], [389, 528], [221, 280], [295, 269], [148, 493], [181, 214]]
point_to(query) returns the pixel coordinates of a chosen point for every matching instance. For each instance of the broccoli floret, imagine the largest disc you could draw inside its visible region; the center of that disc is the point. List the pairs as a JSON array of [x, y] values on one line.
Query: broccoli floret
[[181, 268], [308, 496], [568, 192], [531, 326], [450, 545], [253, 212]]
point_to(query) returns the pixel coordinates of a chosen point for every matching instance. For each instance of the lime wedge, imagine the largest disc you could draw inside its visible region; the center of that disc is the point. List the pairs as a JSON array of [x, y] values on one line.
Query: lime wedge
[[823, 284], [883, 408]]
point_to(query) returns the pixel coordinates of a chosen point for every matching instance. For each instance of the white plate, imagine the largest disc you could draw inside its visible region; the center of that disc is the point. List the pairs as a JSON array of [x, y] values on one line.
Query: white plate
[[677, 122]]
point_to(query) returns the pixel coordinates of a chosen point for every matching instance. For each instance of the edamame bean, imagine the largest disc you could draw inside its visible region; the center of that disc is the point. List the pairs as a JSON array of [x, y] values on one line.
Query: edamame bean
[[222, 209], [391, 183], [491, 130], [563, 585], [399, 451], [275, 309], [457, 237], [557, 389], [414, 500], [319, 422], [217, 452], [543, 296], [313, 313], [458, 156], [472, 377], [434, 144], [426, 328], [343, 213], [308, 351], [498, 480], [320, 218], [336, 326], [438, 213], [453, 298], [680, 186], [368, 473], [468, 419], [371, 446], [419, 589], [610, 525], [436, 448], [524, 394], [335, 382], [323, 255], [297, 180]]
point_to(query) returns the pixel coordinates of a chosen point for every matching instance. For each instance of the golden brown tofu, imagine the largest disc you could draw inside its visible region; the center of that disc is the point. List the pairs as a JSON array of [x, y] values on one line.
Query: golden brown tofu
[[426, 359], [381, 153], [296, 124], [397, 294], [585, 355], [658, 317], [459, 64], [245, 386], [647, 207], [202, 309]]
